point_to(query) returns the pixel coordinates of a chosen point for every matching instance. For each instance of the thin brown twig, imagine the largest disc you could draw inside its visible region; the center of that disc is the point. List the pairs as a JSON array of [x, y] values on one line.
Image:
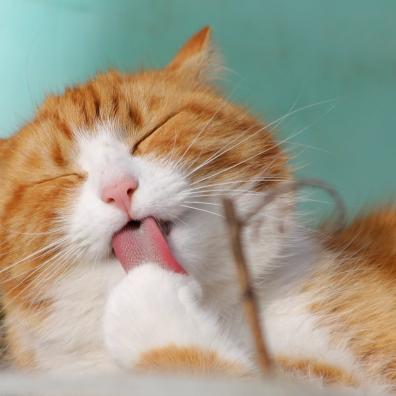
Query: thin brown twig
[[249, 297], [235, 227]]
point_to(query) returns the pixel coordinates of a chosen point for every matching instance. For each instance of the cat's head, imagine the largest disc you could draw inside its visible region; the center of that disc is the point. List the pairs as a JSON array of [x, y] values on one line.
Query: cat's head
[[161, 143]]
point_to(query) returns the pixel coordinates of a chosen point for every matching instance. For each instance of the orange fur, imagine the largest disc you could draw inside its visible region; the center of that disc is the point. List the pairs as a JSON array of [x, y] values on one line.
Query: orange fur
[[38, 176], [310, 368], [356, 294], [194, 360]]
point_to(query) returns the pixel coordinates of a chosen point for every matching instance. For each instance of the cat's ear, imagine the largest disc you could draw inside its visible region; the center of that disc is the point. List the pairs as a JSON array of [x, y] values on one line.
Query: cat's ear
[[198, 57], [2, 146]]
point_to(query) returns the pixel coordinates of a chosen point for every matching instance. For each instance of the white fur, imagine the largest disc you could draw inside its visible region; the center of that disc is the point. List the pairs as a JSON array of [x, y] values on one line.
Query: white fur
[[106, 158], [71, 338], [151, 307], [307, 339]]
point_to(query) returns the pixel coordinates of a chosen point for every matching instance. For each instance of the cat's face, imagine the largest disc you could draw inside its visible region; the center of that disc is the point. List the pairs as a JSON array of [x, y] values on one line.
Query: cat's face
[[156, 143]]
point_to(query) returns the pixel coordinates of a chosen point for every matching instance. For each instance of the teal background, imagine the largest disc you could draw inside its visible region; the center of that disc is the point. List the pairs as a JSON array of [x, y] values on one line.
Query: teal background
[[336, 57]]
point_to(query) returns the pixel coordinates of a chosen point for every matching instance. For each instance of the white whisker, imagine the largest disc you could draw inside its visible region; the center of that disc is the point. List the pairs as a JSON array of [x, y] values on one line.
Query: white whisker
[[225, 102], [202, 210], [202, 202], [46, 249]]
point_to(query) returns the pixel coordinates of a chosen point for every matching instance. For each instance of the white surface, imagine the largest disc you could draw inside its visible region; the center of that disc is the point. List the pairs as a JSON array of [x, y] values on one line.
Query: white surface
[[15, 385]]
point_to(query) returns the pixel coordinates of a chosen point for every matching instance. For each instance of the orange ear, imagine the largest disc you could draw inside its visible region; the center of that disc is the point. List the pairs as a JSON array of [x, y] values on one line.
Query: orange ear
[[2, 146], [197, 56]]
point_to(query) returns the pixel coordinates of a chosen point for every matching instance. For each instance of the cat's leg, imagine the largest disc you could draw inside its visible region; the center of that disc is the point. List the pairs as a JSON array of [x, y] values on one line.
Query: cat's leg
[[154, 321]]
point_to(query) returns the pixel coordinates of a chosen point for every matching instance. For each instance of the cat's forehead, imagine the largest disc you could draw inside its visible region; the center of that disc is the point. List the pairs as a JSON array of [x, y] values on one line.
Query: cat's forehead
[[129, 101], [105, 145], [158, 113]]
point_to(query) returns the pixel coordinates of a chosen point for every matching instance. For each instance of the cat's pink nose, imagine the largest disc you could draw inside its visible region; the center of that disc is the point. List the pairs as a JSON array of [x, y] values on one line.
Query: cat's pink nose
[[120, 193]]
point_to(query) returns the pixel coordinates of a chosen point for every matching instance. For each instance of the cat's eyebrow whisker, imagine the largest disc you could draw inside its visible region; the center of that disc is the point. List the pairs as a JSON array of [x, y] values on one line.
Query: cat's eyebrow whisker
[[247, 159], [250, 186], [274, 123], [298, 110], [224, 150], [202, 210], [308, 146], [173, 147], [203, 129]]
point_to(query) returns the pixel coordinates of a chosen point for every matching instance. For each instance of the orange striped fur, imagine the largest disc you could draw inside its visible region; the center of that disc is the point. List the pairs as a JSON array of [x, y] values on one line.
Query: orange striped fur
[[354, 284], [38, 173]]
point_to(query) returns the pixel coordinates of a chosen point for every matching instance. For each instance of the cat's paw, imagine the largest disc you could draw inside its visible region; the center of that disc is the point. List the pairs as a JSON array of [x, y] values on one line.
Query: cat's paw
[[153, 308]]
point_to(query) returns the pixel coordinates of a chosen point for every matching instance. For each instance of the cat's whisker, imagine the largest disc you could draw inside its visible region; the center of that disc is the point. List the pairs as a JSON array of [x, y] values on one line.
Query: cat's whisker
[[241, 182], [52, 232], [203, 129], [235, 182], [246, 160], [178, 219], [31, 273], [202, 210], [308, 146], [295, 111], [274, 123], [29, 270], [173, 147], [46, 249], [224, 150], [230, 190], [222, 194], [12, 251], [69, 258], [47, 271], [203, 203]]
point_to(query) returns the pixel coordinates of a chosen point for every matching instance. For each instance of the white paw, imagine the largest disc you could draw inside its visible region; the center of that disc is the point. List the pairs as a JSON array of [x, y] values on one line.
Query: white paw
[[153, 307]]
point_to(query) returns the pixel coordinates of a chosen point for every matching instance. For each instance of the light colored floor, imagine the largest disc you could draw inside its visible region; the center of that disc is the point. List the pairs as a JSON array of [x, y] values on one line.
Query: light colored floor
[[18, 385]]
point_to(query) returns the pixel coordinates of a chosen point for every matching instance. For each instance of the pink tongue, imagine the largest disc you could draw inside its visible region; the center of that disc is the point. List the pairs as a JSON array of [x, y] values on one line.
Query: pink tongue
[[136, 245]]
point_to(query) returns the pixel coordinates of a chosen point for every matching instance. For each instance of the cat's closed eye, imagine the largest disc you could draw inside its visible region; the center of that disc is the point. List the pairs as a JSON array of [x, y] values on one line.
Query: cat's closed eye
[[79, 176], [153, 130]]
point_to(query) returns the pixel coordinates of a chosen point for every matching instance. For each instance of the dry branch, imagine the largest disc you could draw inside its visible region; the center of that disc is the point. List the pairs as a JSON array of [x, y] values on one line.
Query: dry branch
[[249, 297], [235, 227]]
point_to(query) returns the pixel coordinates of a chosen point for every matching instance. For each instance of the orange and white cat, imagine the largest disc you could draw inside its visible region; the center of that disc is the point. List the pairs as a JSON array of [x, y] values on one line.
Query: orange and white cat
[[127, 172]]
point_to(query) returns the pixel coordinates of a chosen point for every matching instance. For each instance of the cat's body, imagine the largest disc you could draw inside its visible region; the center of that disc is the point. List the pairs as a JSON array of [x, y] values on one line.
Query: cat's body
[[327, 304]]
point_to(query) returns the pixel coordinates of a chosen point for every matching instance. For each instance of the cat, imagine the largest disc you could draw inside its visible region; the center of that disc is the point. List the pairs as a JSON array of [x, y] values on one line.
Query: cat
[[129, 160]]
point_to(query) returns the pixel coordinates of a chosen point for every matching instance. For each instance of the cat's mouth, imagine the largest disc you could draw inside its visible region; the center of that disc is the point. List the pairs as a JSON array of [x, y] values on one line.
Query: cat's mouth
[[164, 225], [145, 241]]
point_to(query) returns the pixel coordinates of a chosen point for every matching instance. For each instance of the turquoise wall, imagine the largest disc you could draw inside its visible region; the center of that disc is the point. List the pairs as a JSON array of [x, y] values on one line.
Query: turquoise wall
[[339, 55]]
